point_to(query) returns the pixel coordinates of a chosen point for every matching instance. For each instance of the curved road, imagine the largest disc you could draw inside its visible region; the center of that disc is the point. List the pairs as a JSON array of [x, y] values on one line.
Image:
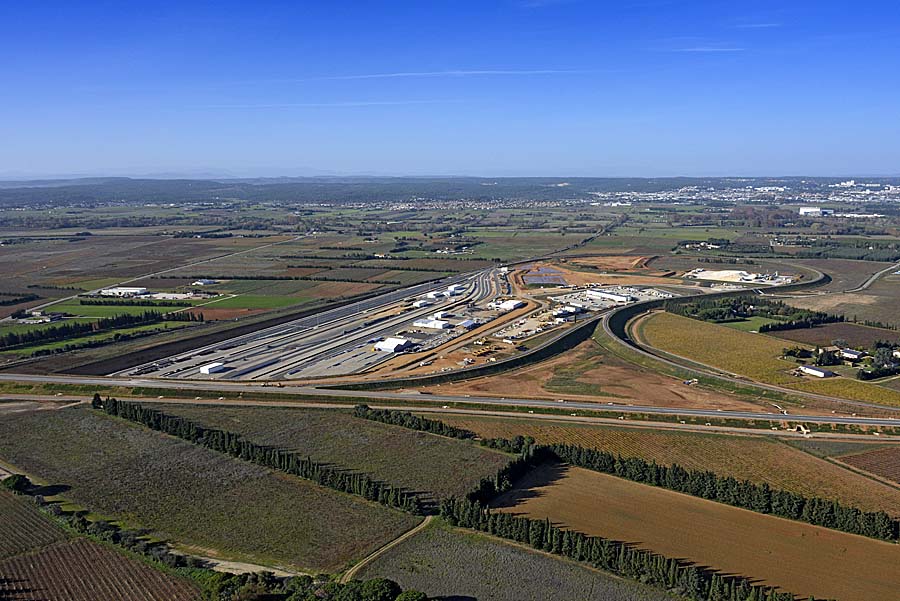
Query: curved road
[[638, 348]]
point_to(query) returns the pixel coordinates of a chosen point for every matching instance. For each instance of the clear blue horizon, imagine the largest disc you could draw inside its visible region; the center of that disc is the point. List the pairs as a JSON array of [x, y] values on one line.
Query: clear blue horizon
[[508, 88]]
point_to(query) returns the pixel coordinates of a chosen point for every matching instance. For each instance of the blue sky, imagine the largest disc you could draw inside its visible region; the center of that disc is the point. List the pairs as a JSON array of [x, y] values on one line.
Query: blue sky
[[512, 87]]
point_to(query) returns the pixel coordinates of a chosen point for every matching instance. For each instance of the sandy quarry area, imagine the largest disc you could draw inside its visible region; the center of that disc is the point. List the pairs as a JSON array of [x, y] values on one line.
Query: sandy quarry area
[[587, 374], [555, 271]]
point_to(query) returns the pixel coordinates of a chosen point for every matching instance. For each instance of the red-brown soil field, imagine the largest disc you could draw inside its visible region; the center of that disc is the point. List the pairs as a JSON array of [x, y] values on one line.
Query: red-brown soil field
[[81, 570], [23, 527], [797, 557], [884, 463]]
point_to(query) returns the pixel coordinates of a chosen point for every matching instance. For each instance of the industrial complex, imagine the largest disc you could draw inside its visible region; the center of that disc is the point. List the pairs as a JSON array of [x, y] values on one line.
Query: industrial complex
[[430, 322]]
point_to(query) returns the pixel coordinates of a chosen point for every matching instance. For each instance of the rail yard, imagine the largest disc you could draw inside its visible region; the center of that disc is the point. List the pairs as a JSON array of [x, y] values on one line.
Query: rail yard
[[346, 340]]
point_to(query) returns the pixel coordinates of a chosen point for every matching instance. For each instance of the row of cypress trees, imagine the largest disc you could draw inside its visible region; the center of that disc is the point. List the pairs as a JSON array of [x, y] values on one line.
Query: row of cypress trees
[[413, 422], [234, 445]]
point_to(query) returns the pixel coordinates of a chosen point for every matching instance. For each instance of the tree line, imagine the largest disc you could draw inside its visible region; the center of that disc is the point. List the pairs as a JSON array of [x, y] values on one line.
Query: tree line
[[413, 422], [95, 343], [7, 299], [71, 330], [132, 302], [233, 444]]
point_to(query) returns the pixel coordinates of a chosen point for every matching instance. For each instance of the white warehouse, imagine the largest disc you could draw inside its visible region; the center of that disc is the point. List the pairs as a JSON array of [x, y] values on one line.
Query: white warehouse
[[393, 345], [511, 305], [432, 324], [818, 372], [212, 368], [609, 296], [123, 291]]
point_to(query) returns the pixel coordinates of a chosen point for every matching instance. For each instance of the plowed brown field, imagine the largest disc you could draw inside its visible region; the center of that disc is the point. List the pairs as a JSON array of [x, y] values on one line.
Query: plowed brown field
[[798, 557], [85, 571], [881, 462]]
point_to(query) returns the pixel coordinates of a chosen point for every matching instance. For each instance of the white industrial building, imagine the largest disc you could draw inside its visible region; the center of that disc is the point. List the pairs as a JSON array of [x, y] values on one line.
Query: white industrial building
[[467, 324], [815, 212], [435, 295], [421, 304], [441, 314], [818, 372], [609, 296], [204, 282], [123, 291], [431, 324], [511, 305], [455, 289], [212, 368], [393, 345]]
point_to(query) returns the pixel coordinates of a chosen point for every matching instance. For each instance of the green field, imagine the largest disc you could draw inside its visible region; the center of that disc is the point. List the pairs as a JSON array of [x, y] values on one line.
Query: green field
[[105, 336], [414, 460], [458, 564], [19, 328], [74, 308], [750, 324], [192, 496]]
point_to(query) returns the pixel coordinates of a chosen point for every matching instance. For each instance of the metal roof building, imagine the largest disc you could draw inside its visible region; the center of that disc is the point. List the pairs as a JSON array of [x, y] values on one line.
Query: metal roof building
[[393, 345]]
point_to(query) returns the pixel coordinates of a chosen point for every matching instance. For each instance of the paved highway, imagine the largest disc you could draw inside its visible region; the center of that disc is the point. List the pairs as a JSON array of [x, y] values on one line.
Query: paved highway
[[364, 395]]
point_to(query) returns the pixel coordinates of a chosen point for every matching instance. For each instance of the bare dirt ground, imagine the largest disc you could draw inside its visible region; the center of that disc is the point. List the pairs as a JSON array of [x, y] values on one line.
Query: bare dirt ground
[[830, 302], [618, 381], [613, 262], [798, 557], [581, 278]]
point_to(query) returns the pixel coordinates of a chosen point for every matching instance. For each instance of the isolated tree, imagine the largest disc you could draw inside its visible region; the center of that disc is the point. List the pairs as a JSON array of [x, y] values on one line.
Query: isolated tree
[[883, 357]]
